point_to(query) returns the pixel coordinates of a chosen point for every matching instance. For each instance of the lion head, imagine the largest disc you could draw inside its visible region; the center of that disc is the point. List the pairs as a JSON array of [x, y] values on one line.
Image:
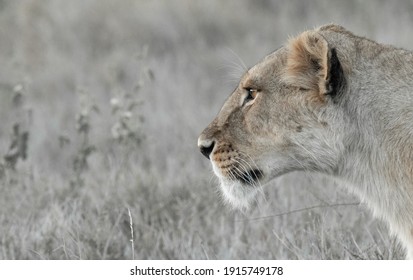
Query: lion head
[[283, 116]]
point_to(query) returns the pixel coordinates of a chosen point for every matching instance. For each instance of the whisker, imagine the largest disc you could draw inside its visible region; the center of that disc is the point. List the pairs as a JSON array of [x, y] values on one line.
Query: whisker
[[249, 158], [242, 63], [234, 69], [300, 163], [257, 184], [309, 153], [248, 169], [252, 162]]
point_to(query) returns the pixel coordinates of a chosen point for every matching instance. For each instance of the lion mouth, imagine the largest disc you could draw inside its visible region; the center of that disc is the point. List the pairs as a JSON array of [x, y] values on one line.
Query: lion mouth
[[250, 177]]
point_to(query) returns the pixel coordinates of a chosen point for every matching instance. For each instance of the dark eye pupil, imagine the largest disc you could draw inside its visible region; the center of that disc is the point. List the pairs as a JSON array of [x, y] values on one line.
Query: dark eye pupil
[[250, 95]]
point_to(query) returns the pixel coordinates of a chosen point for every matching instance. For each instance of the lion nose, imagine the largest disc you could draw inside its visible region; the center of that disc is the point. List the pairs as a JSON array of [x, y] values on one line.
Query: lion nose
[[206, 146]]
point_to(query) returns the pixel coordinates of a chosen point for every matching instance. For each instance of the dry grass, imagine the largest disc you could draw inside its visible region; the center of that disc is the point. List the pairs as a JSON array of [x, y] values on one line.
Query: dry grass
[[109, 98]]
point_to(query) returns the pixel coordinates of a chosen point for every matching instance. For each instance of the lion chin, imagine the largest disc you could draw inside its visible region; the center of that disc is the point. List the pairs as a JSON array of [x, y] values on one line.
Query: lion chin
[[239, 196]]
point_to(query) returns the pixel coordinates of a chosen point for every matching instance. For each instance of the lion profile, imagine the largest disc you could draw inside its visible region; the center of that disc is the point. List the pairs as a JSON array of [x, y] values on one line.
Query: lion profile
[[330, 102]]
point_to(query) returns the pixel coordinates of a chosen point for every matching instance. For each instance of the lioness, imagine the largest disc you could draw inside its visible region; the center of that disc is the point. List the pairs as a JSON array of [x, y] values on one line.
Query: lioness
[[328, 101]]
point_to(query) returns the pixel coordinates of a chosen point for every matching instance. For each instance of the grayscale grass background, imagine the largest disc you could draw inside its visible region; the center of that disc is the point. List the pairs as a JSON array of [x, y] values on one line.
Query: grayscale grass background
[[101, 106]]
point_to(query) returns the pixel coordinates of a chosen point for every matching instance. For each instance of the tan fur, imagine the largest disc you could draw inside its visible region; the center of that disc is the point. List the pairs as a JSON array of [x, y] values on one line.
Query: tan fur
[[331, 102], [307, 62]]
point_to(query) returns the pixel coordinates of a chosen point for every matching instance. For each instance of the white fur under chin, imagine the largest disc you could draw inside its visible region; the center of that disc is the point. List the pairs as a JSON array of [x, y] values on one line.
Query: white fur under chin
[[240, 197], [237, 195]]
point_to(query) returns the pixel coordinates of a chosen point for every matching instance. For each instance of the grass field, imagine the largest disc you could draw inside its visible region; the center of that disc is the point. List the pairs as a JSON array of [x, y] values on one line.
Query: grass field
[[101, 106]]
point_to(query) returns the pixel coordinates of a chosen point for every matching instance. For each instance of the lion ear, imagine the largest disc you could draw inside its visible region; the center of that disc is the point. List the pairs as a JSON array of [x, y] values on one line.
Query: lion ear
[[312, 64]]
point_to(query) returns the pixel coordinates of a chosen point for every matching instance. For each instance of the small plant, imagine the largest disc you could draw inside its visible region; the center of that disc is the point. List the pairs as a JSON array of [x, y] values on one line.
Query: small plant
[[86, 148], [18, 147], [20, 135], [127, 128]]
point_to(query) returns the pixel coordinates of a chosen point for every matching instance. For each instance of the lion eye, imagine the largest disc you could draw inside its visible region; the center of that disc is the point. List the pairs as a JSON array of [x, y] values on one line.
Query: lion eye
[[251, 95]]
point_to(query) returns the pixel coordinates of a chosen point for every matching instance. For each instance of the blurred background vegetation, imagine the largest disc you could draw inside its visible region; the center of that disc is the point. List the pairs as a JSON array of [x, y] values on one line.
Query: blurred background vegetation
[[101, 106]]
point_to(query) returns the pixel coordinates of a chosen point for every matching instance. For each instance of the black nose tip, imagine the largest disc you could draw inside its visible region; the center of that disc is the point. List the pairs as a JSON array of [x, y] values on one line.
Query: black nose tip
[[206, 148]]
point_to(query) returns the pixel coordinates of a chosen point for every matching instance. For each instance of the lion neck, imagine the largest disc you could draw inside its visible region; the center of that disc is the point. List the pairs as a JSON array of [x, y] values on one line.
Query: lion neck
[[378, 159]]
